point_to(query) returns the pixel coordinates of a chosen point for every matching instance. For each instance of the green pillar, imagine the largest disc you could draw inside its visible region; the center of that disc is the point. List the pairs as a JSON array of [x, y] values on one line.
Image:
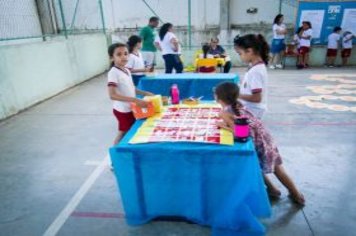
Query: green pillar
[[190, 24], [63, 20], [102, 16]]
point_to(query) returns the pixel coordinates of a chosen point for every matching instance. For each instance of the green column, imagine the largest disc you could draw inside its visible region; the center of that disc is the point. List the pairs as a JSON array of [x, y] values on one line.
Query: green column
[[63, 20], [190, 24], [102, 16]]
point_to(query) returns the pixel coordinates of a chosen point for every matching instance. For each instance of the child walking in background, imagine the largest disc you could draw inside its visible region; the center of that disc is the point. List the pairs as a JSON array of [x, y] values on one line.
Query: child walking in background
[[333, 44], [136, 63], [305, 42], [270, 160], [346, 47], [122, 90], [254, 50]]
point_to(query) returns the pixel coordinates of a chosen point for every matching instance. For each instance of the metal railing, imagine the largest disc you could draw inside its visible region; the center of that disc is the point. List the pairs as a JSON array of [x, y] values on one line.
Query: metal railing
[[43, 19]]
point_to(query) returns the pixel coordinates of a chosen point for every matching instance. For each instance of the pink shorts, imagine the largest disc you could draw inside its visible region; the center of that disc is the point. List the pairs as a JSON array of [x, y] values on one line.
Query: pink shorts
[[125, 120]]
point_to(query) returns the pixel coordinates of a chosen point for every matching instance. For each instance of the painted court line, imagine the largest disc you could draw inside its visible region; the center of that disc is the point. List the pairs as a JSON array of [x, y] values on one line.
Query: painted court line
[[92, 163], [98, 215], [76, 199]]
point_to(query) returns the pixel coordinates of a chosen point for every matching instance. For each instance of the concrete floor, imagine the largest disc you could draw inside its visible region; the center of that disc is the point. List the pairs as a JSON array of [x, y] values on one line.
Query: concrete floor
[[54, 149]]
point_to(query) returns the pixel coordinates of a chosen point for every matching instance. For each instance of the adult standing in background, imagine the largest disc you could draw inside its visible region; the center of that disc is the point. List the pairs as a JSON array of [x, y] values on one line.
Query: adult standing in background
[[278, 46], [170, 48], [148, 35]]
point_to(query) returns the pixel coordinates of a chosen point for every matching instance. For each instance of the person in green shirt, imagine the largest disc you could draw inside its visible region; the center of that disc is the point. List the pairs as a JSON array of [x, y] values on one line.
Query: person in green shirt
[[149, 44]]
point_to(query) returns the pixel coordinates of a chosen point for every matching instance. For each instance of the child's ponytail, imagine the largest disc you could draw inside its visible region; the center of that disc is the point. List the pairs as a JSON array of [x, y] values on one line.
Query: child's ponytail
[[132, 42], [257, 42], [263, 49]]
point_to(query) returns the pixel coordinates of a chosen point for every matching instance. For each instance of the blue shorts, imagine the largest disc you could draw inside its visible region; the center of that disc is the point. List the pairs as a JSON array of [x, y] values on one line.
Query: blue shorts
[[277, 46]]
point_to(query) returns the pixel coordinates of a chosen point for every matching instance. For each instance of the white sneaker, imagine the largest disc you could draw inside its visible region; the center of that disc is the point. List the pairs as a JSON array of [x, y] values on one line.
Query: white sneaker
[[272, 67], [279, 66]]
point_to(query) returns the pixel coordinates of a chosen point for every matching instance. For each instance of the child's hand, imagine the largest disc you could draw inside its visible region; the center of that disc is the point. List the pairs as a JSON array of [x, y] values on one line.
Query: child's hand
[[220, 124], [141, 103], [147, 69]]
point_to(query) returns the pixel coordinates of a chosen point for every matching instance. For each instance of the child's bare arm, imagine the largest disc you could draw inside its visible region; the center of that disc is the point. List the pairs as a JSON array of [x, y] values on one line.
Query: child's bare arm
[[143, 93], [174, 41], [140, 70], [228, 121], [118, 97], [256, 97], [158, 46]]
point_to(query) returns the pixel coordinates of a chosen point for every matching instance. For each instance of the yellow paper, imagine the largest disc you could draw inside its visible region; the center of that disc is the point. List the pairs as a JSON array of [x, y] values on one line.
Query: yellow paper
[[157, 102]]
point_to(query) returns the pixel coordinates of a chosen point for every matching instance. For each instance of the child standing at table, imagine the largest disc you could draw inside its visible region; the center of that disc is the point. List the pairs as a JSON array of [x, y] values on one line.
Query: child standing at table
[[333, 44], [136, 63], [270, 160], [122, 90], [253, 49]]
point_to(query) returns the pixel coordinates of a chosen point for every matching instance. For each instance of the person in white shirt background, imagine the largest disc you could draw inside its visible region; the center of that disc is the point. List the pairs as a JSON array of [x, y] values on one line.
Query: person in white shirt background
[[305, 43], [346, 46], [333, 45], [136, 63], [278, 46], [170, 48], [253, 49]]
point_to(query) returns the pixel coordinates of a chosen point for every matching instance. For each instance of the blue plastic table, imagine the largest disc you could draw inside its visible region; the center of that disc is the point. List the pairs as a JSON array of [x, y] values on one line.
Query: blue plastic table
[[189, 84], [216, 185]]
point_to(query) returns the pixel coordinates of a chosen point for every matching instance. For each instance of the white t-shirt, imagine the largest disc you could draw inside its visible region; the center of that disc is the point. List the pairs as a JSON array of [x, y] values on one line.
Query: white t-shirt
[[347, 44], [136, 62], [166, 45], [276, 27], [332, 40], [255, 80], [122, 80], [306, 42]]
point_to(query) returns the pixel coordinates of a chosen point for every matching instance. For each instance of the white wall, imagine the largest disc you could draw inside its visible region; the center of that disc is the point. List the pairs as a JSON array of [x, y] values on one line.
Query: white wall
[[267, 10], [30, 73]]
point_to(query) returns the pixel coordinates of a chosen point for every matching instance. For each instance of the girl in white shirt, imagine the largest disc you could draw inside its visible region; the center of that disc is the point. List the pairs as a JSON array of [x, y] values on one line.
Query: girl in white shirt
[[278, 46], [136, 64], [346, 47], [253, 49], [122, 90], [170, 49], [305, 42]]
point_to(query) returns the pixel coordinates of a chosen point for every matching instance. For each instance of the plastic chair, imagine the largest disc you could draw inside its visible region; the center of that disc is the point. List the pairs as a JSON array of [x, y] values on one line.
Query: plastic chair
[[290, 51], [207, 65]]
